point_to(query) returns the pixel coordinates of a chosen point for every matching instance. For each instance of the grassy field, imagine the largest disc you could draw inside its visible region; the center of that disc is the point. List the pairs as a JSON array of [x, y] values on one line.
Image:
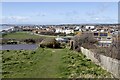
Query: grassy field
[[24, 35], [48, 63], [0, 63], [41, 63], [78, 66]]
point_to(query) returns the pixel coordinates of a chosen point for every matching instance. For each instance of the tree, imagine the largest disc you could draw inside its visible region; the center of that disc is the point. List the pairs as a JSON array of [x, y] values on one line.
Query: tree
[[85, 40]]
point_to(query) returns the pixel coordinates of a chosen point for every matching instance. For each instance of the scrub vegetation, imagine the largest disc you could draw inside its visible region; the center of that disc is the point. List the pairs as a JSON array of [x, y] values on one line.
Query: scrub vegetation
[[49, 63]]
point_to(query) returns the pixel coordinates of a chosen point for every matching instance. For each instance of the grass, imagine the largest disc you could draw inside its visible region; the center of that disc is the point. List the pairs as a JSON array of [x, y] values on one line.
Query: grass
[[41, 63], [24, 35], [0, 63], [48, 63], [78, 66]]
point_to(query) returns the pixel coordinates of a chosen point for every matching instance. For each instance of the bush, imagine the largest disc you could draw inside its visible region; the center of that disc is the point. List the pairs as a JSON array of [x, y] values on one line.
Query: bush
[[29, 40], [47, 33], [115, 48], [4, 41], [39, 40], [50, 43]]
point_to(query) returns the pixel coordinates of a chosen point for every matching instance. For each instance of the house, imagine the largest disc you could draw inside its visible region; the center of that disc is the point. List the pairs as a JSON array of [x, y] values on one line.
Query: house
[[59, 30], [89, 27], [66, 31], [104, 38], [69, 31]]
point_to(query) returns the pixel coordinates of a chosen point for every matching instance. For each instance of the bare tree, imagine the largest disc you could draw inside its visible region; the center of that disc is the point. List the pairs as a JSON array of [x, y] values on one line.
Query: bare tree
[[85, 40]]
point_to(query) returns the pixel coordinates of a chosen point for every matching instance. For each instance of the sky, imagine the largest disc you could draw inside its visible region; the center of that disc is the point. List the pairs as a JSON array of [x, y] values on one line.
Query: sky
[[59, 12], [60, 0]]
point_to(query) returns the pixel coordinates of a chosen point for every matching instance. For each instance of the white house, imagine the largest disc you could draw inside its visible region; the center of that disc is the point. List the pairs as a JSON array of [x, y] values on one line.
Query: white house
[[89, 27], [66, 31], [58, 30], [69, 31]]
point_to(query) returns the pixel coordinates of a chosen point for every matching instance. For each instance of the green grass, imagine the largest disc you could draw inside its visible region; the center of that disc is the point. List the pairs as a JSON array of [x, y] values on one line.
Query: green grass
[[20, 35], [24, 35], [41, 63], [48, 63], [78, 66], [0, 63]]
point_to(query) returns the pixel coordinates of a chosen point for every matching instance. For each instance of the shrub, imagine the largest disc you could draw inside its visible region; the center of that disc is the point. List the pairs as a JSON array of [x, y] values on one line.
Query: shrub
[[8, 50], [50, 43], [39, 40], [112, 51], [29, 40], [4, 41], [63, 45]]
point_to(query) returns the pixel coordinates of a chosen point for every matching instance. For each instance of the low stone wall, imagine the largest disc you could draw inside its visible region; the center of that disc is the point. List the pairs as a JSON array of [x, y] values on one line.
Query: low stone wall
[[108, 63]]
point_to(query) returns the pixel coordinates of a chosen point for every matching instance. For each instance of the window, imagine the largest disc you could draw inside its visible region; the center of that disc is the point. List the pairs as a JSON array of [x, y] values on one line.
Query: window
[[103, 34], [95, 34], [108, 38], [99, 38]]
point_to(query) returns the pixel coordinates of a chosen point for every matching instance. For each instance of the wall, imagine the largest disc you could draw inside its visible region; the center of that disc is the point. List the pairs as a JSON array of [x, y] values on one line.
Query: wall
[[109, 64]]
